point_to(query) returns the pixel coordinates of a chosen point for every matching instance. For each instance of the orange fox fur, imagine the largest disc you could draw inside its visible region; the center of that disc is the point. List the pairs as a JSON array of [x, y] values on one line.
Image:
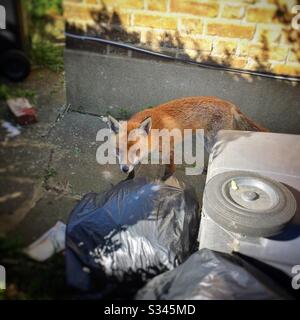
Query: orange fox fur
[[209, 113]]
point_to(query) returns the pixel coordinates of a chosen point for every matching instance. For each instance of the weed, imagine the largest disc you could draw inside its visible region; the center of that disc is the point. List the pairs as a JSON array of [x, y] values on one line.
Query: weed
[[123, 113], [43, 33], [7, 92], [45, 53], [147, 107], [49, 173]]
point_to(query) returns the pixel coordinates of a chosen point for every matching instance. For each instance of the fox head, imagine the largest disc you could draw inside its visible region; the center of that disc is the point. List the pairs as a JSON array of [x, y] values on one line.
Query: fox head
[[132, 140]]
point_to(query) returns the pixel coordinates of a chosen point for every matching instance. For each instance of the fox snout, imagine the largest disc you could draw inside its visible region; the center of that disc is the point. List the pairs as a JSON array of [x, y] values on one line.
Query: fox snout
[[134, 137], [126, 168]]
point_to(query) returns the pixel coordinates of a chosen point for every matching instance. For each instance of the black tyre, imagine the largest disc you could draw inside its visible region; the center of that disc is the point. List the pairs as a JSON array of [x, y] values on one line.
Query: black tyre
[[15, 65], [247, 203]]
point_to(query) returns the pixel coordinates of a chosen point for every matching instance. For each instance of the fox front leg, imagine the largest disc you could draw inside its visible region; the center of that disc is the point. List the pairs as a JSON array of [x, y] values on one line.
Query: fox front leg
[[169, 168]]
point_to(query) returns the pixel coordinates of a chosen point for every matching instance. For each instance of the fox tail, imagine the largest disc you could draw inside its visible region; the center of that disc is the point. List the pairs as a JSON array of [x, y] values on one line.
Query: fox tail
[[242, 122]]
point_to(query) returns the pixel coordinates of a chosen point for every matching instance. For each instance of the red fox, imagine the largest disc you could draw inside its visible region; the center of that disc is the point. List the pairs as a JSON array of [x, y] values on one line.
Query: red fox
[[209, 113]]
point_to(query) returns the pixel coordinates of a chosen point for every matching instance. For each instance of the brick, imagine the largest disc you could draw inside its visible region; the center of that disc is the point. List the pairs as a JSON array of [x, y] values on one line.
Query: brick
[[129, 35], [74, 12], [260, 14], [230, 30], [199, 44], [90, 1], [124, 4], [157, 5], [158, 39], [224, 47], [206, 9], [122, 19], [288, 3], [238, 63], [244, 1], [258, 66], [294, 56], [192, 54], [243, 48], [166, 39], [265, 53], [230, 61], [218, 60], [269, 33], [233, 12], [152, 21], [287, 69], [192, 26]]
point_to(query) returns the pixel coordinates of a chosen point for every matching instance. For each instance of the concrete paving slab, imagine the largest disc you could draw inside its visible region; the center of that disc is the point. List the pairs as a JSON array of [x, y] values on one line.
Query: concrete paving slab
[[17, 197], [74, 158], [43, 216], [24, 158]]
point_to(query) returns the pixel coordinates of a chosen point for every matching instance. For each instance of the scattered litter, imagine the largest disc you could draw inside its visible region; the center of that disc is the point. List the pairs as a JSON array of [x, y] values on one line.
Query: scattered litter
[[22, 111], [51, 242], [234, 185], [11, 129]]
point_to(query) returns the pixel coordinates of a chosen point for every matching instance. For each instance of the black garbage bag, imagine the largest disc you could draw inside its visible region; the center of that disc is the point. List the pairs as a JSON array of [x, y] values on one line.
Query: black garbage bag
[[210, 275], [117, 241]]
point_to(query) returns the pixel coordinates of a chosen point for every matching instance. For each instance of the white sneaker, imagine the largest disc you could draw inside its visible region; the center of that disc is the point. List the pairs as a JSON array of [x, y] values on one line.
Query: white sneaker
[[51, 242]]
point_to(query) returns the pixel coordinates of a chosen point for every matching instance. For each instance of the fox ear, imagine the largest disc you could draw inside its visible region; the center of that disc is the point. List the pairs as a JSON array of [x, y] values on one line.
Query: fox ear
[[146, 125], [113, 124]]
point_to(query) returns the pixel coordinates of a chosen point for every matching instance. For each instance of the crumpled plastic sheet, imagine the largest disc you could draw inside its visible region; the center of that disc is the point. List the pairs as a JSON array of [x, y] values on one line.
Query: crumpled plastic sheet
[[209, 275], [117, 241]]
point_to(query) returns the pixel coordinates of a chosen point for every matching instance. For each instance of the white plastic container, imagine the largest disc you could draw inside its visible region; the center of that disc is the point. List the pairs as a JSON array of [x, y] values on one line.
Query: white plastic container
[[251, 202]]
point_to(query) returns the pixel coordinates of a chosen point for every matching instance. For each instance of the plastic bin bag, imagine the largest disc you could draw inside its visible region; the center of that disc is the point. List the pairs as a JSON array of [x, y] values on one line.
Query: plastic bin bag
[[210, 275], [117, 241]]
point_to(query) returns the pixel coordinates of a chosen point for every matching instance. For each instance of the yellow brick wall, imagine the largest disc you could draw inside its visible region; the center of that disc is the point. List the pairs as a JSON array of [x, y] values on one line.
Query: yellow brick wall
[[244, 34]]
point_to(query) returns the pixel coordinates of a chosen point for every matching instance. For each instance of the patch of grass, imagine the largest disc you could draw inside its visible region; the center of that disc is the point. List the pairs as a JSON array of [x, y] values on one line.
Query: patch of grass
[[7, 92], [45, 53], [49, 173], [123, 113], [147, 107], [39, 8], [27, 279], [44, 32]]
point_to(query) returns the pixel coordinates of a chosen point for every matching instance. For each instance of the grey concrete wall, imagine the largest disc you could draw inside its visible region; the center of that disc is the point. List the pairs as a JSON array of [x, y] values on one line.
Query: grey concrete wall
[[123, 85]]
